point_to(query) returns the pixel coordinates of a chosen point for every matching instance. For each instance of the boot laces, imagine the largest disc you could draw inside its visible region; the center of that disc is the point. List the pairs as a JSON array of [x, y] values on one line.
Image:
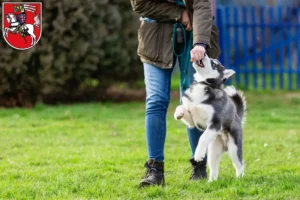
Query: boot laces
[[149, 171]]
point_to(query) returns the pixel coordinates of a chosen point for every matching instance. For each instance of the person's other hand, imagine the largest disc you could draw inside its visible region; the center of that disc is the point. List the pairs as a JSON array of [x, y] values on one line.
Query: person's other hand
[[197, 53], [185, 20]]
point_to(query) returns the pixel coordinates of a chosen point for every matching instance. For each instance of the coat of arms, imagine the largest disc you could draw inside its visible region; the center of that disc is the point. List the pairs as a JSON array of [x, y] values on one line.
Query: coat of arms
[[22, 24]]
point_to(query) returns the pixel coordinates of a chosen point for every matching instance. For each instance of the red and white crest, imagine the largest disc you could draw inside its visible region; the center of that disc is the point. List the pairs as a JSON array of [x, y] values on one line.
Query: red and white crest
[[22, 24]]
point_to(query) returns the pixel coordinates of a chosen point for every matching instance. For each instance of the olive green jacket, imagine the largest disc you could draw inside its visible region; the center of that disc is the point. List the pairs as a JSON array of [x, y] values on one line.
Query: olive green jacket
[[155, 38]]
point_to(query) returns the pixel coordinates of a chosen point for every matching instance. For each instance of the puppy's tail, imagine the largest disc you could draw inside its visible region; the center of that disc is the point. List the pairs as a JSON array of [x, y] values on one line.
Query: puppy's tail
[[239, 100]]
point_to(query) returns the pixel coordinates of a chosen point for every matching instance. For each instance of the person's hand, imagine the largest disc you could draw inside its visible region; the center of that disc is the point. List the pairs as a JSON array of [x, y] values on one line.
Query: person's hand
[[197, 53], [185, 20]]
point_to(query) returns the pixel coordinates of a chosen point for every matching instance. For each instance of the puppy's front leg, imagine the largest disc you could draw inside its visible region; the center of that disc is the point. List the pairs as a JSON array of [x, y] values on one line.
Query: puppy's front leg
[[181, 113], [207, 137]]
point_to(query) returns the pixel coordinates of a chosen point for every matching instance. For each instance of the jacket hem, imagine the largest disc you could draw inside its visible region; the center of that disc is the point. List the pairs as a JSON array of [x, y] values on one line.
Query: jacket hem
[[157, 64]]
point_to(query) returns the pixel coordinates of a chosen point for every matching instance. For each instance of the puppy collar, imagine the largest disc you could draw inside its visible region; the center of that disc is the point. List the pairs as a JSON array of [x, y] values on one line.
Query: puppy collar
[[215, 86], [210, 85]]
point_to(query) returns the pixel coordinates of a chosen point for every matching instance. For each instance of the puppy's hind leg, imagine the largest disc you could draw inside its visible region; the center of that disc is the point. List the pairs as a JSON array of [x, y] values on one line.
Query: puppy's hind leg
[[235, 153], [215, 150]]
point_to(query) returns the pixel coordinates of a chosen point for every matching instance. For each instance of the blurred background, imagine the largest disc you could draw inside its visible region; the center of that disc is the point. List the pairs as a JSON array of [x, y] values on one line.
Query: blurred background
[[87, 51]]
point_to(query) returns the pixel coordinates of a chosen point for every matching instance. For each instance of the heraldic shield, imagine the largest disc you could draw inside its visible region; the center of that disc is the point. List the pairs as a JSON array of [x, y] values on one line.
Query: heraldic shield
[[22, 24]]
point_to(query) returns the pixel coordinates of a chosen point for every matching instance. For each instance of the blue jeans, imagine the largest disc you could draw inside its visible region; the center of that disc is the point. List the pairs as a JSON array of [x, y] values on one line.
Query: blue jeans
[[158, 82]]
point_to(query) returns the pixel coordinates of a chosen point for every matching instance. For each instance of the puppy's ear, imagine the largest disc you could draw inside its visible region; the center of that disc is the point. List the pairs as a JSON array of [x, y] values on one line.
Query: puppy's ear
[[228, 73]]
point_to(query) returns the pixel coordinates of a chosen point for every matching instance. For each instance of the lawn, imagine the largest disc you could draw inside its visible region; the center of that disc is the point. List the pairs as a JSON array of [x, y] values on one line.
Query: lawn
[[97, 151]]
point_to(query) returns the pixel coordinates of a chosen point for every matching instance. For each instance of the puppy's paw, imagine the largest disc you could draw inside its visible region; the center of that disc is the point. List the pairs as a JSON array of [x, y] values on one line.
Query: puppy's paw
[[198, 157], [179, 112], [210, 180]]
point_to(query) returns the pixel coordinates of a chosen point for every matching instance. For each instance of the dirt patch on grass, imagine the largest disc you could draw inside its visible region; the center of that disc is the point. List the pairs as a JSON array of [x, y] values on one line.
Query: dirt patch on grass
[[113, 94], [292, 95]]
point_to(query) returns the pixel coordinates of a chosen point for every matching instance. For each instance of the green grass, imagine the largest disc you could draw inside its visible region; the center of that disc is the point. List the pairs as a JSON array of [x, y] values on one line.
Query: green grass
[[97, 151]]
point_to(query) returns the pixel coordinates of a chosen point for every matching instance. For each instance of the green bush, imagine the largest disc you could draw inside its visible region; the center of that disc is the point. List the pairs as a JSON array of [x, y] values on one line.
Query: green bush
[[84, 44]]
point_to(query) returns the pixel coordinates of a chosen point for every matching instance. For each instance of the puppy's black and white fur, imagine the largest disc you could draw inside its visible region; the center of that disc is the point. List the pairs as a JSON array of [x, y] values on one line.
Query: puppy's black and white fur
[[218, 111]]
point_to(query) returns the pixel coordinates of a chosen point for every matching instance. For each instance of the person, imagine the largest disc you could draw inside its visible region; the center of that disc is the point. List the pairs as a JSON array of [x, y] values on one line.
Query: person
[[170, 31]]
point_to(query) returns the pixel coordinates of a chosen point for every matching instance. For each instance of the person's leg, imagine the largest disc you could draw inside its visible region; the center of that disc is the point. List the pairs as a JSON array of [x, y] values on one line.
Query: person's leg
[[157, 83]]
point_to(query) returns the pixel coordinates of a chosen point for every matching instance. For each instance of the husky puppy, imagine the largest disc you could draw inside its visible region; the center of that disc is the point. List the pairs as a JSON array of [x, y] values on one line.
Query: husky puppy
[[219, 112]]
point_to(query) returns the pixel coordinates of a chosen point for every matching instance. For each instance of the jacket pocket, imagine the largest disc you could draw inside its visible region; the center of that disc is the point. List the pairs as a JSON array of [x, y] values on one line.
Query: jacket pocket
[[148, 36], [214, 51]]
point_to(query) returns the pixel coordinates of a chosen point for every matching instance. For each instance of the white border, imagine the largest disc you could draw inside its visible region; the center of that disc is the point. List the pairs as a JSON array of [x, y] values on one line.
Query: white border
[[41, 19]]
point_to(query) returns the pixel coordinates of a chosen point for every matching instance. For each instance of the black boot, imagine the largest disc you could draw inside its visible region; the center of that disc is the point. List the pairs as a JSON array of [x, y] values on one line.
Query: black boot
[[199, 170], [154, 173]]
